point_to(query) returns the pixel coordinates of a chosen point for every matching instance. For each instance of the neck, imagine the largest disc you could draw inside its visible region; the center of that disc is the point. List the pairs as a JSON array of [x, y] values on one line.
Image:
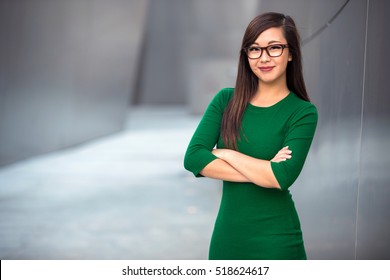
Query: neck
[[272, 90], [269, 94]]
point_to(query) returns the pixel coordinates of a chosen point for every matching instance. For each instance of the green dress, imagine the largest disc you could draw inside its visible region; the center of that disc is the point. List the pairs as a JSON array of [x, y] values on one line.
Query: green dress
[[255, 222]]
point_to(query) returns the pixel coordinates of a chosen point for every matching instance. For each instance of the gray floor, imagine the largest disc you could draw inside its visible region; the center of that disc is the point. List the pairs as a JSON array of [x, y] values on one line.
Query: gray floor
[[126, 196]]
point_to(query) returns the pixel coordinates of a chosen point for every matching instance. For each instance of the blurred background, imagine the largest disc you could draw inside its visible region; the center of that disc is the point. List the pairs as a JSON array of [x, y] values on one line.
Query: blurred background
[[99, 99]]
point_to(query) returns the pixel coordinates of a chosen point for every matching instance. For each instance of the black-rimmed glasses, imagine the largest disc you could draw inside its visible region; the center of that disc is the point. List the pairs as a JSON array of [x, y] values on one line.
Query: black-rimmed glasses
[[254, 52]]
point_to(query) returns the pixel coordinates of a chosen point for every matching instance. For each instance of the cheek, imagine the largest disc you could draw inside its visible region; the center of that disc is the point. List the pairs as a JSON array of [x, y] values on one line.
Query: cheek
[[283, 62], [252, 65]]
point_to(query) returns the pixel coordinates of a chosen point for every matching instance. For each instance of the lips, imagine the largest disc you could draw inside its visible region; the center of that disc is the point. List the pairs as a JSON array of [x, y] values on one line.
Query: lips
[[266, 69]]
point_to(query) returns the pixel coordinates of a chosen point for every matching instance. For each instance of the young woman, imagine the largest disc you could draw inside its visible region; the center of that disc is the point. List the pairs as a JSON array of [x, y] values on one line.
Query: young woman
[[262, 130]]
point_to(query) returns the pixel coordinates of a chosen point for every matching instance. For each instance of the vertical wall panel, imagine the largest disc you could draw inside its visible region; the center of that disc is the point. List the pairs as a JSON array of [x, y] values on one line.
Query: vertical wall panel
[[373, 232], [162, 77], [329, 200]]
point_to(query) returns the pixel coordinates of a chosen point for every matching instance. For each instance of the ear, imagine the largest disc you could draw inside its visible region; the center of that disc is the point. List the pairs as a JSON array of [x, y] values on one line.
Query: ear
[[290, 57]]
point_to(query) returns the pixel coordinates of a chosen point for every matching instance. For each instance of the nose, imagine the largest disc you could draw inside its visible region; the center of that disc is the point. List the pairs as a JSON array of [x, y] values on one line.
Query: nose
[[264, 56]]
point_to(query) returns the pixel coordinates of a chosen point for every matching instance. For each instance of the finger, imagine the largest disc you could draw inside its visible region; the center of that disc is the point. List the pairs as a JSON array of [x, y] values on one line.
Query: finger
[[282, 157], [285, 157], [283, 154], [284, 149]]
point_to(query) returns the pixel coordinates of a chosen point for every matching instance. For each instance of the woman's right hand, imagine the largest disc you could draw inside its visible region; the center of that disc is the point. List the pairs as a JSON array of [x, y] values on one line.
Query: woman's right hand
[[282, 155]]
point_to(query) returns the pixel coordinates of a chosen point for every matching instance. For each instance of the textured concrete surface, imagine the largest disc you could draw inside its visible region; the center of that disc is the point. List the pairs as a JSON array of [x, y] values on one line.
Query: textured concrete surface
[[126, 196]]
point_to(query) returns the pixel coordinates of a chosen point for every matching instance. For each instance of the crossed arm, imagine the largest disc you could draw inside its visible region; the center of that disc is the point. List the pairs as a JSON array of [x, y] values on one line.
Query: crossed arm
[[229, 165], [237, 167]]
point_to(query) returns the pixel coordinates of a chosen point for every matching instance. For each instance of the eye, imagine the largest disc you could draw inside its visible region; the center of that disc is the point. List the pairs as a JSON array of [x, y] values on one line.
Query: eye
[[275, 48], [254, 49]]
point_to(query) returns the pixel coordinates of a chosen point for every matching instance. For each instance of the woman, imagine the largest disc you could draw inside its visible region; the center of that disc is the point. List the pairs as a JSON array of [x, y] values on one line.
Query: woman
[[263, 129]]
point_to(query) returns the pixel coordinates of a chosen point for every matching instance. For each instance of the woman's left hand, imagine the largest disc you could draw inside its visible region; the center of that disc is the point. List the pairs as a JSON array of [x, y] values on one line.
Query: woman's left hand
[[283, 155]]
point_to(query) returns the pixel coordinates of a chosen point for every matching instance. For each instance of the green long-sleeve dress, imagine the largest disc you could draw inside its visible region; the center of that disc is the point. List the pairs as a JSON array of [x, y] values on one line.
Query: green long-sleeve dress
[[255, 222]]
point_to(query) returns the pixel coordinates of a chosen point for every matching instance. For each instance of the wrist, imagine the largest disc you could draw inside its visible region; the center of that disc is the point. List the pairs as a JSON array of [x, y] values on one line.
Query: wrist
[[220, 153], [227, 154]]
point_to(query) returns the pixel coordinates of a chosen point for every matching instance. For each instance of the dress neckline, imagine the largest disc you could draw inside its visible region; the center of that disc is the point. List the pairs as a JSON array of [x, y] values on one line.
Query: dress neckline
[[259, 108]]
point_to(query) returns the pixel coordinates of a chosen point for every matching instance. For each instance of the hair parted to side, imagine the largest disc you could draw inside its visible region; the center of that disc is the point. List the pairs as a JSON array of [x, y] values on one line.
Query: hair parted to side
[[247, 81]]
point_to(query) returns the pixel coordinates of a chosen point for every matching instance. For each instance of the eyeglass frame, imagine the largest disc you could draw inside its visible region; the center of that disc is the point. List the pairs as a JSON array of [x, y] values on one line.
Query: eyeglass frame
[[266, 49]]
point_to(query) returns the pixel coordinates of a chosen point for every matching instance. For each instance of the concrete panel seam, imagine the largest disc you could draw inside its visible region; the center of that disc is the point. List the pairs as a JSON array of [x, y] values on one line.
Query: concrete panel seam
[[361, 128]]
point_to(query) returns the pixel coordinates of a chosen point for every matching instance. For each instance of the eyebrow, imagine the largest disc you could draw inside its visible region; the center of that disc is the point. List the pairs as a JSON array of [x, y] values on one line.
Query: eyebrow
[[270, 42]]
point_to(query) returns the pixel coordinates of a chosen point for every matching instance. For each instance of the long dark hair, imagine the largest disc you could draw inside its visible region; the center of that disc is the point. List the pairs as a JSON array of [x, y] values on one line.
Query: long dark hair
[[247, 81]]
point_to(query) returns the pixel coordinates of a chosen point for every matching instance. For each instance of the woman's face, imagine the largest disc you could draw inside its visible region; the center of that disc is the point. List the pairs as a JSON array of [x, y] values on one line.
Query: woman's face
[[270, 70]]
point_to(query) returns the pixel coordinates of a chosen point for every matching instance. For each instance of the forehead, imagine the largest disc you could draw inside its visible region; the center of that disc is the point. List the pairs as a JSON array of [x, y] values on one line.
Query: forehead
[[271, 35]]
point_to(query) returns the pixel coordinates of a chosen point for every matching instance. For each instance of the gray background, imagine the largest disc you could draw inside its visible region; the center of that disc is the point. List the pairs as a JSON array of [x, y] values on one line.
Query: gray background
[[71, 71]]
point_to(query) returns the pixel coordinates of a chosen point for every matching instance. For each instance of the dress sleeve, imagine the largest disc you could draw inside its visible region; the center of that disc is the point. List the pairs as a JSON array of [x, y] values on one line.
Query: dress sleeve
[[206, 135], [299, 137]]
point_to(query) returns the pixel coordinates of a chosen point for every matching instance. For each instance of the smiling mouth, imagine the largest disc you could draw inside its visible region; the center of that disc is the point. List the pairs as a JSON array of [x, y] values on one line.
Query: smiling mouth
[[266, 69]]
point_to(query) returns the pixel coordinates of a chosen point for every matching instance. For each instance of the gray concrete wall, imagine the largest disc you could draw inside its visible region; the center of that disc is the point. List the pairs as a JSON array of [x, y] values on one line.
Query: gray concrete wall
[[66, 70], [373, 227]]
